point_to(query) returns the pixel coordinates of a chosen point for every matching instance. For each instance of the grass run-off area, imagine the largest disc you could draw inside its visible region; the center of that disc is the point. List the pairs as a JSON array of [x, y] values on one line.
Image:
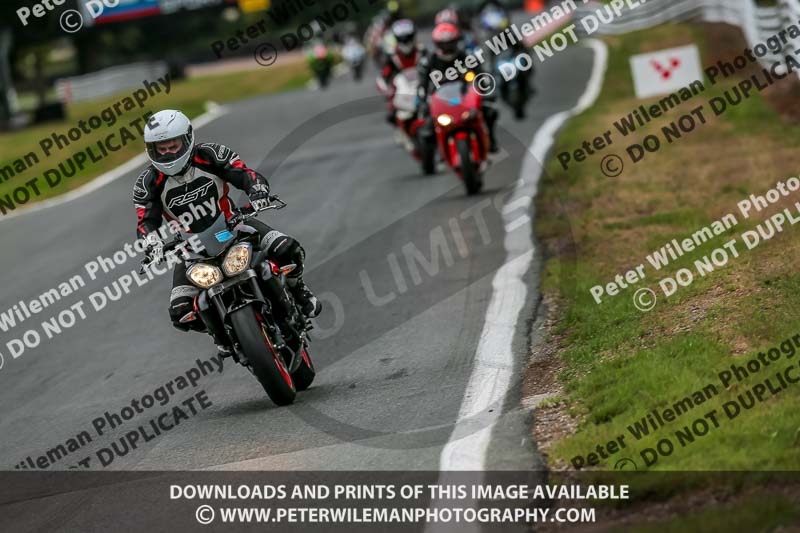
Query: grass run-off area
[[617, 363], [189, 95]]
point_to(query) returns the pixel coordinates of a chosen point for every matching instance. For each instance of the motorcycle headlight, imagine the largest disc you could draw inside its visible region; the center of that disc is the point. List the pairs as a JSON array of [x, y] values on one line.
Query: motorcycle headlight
[[237, 260], [444, 120], [204, 276]]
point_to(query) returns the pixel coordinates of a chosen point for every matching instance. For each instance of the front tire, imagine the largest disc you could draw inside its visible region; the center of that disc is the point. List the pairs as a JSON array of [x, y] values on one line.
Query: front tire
[[268, 366], [472, 179]]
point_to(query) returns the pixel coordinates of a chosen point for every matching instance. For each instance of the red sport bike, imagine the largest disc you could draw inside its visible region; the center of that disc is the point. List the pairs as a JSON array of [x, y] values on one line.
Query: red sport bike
[[461, 132]]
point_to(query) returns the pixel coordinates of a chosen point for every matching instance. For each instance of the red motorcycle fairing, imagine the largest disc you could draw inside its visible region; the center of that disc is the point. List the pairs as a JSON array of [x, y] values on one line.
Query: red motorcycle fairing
[[463, 106]]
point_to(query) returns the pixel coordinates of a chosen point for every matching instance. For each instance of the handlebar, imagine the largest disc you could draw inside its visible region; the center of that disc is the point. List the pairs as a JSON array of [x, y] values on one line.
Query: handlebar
[[275, 204]]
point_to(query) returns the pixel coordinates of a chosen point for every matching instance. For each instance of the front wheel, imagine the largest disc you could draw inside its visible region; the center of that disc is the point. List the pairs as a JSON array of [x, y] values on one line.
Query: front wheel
[[469, 171], [268, 365]]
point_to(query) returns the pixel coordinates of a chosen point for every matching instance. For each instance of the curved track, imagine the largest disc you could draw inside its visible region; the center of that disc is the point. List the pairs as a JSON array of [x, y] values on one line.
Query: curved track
[[392, 379]]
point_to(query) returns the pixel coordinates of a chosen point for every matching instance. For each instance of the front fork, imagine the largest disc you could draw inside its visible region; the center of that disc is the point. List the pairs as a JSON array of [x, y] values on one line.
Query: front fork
[[213, 310]]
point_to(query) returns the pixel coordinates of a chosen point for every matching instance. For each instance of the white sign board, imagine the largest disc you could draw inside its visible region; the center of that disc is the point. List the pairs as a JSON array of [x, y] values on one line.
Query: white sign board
[[665, 71]]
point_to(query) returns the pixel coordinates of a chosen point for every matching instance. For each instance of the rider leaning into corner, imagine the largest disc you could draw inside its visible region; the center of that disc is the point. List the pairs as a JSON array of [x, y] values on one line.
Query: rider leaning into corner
[[448, 51], [183, 176]]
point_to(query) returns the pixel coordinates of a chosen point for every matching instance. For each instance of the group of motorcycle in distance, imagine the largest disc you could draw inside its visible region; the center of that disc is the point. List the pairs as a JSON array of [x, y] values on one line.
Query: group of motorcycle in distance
[[454, 124], [451, 125]]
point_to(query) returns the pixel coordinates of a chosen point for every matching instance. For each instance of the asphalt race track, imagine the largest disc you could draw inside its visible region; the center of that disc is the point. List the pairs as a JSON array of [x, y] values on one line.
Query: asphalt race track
[[392, 372]]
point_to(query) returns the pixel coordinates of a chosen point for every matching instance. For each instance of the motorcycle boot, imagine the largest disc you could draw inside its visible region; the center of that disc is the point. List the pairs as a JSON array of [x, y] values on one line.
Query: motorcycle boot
[[308, 303]]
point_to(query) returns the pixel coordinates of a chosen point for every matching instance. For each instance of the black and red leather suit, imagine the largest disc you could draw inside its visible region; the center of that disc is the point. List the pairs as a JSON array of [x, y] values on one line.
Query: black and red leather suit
[[206, 184]]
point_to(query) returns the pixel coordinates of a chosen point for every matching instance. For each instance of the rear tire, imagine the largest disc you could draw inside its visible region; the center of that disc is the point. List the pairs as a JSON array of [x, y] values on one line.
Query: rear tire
[[305, 373], [267, 365], [472, 179]]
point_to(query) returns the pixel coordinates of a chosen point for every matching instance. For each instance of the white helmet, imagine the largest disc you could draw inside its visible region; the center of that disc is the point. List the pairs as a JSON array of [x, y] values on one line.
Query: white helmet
[[405, 33], [164, 126]]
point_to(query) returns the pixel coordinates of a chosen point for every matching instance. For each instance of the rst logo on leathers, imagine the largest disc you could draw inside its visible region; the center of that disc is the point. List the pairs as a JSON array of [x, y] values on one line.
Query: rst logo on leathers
[[139, 190], [190, 196], [223, 152]]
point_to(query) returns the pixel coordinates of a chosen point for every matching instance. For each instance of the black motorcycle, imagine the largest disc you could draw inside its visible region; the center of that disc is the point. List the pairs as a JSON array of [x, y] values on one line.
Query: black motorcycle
[[244, 302]]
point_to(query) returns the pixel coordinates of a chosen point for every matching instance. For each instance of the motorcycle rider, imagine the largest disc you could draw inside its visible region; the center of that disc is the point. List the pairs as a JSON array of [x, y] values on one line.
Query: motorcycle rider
[[406, 54], [448, 48], [187, 178], [495, 20], [320, 61], [459, 16]]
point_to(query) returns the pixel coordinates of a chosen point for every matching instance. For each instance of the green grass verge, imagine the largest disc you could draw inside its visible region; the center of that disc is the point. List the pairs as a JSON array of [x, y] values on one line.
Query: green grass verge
[[622, 363]]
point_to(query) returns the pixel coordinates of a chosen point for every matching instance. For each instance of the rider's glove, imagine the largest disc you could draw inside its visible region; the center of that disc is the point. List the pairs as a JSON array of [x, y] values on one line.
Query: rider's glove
[[259, 196], [155, 248]]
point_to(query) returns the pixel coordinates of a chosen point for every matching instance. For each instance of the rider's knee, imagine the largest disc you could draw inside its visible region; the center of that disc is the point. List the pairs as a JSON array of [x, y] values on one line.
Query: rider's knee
[[284, 250]]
